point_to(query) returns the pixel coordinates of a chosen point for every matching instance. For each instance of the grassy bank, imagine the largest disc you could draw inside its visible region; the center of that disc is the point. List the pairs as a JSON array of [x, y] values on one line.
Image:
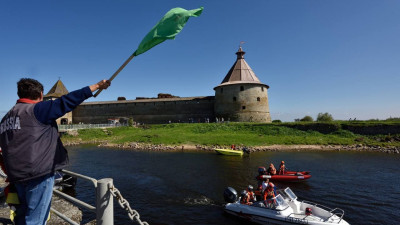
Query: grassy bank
[[247, 134]]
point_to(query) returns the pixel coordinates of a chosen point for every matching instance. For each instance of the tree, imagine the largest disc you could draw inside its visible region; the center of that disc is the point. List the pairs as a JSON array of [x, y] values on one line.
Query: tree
[[393, 119], [307, 119], [324, 117], [130, 122]]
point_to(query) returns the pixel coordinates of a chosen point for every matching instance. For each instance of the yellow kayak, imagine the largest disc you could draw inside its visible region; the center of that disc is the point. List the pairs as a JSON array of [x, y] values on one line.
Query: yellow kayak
[[229, 152]]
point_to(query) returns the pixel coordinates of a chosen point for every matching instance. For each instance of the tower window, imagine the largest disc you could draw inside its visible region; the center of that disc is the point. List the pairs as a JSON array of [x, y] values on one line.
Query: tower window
[[234, 99], [258, 99], [241, 88], [262, 88], [243, 107], [222, 90]]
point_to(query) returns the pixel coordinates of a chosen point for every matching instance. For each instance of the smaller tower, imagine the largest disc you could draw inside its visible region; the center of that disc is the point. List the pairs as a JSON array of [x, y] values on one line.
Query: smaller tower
[[55, 92], [241, 96]]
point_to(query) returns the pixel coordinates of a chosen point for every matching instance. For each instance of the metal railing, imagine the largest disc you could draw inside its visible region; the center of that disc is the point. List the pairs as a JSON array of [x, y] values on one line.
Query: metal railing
[[88, 126], [105, 193], [334, 212]]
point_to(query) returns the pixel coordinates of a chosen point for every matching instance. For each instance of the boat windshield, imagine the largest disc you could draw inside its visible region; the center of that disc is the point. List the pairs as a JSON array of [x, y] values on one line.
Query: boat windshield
[[290, 193], [280, 202]]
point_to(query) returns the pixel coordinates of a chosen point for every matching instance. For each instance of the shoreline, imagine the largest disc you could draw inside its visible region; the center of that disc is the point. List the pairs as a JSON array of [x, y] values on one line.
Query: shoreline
[[192, 147]]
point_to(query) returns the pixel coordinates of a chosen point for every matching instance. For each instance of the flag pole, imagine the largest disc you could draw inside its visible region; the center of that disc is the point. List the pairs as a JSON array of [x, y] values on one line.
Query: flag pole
[[116, 72]]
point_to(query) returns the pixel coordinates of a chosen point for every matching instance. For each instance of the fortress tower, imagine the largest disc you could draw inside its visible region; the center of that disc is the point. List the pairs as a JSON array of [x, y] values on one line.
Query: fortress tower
[[55, 92], [241, 96]]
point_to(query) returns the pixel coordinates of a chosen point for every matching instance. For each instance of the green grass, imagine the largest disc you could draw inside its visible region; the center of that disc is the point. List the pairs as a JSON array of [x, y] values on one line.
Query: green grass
[[248, 134]]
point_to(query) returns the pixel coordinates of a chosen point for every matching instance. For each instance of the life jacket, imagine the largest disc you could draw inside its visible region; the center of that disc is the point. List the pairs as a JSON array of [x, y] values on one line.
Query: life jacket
[[269, 194], [251, 196], [272, 170], [282, 169], [245, 200]]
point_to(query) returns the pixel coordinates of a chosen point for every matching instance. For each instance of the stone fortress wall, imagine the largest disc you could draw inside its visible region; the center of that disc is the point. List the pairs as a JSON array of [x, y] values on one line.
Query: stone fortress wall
[[174, 110], [241, 97]]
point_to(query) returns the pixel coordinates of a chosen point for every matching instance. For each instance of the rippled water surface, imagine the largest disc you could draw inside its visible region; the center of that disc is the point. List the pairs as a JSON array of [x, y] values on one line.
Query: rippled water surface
[[187, 187]]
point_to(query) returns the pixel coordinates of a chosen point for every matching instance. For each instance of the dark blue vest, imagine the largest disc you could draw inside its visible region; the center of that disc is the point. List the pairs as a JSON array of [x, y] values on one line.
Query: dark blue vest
[[30, 149]]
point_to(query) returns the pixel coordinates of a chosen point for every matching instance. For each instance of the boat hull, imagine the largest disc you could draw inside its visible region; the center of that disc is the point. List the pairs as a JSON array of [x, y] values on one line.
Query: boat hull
[[290, 176], [229, 152], [267, 216], [256, 218]]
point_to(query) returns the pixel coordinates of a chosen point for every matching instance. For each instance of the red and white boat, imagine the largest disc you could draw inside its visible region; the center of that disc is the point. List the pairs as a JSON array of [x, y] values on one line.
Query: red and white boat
[[288, 176]]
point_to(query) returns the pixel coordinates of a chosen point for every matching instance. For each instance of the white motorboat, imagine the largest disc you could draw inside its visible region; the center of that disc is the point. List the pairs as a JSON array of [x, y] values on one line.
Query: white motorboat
[[285, 209]]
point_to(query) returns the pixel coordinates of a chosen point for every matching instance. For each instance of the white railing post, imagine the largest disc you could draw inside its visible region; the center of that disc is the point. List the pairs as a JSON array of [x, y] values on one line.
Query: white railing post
[[104, 202]]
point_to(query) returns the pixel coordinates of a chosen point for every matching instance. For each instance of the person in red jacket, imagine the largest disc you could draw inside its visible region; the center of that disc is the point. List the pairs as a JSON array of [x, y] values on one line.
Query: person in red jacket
[[271, 169], [244, 198], [269, 196], [282, 168], [251, 194]]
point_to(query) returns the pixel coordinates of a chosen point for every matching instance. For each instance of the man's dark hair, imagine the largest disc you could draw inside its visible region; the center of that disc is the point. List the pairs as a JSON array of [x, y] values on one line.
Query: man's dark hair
[[29, 88]]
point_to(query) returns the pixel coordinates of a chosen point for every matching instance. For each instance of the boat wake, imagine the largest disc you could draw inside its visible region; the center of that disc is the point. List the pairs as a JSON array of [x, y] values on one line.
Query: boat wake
[[202, 200]]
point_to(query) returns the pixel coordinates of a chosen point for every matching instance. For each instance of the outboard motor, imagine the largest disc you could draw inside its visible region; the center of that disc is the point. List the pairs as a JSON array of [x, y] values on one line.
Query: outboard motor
[[230, 195], [262, 171]]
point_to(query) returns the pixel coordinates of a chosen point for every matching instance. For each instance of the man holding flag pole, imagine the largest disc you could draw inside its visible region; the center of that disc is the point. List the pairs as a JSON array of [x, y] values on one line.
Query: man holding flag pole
[[32, 148]]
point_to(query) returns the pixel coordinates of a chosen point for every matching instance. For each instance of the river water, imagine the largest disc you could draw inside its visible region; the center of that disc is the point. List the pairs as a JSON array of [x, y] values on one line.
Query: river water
[[187, 187]]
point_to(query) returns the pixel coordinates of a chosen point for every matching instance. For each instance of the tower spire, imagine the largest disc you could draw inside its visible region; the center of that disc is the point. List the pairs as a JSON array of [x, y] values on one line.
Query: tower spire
[[240, 53], [240, 72]]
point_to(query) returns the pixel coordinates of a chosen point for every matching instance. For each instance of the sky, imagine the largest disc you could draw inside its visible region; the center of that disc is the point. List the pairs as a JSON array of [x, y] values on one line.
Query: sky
[[340, 57]]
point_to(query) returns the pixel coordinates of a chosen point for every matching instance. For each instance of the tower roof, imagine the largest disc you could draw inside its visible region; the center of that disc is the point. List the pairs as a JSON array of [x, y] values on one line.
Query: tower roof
[[57, 90], [240, 72]]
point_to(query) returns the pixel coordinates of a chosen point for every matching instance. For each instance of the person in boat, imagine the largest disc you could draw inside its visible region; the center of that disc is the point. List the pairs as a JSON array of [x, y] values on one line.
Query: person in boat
[[271, 169], [244, 198], [261, 171], [261, 188], [269, 196], [251, 194], [264, 185], [282, 168], [233, 147]]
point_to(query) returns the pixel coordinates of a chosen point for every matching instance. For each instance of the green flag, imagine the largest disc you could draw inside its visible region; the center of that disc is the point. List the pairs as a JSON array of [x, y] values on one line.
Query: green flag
[[167, 28]]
